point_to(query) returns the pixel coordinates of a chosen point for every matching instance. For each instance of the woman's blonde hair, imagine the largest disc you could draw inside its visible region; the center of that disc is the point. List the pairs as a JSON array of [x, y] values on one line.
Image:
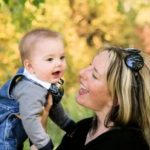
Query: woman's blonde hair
[[130, 90]]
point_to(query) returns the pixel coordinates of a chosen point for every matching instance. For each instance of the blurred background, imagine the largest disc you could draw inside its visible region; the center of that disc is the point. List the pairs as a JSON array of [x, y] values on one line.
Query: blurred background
[[86, 25]]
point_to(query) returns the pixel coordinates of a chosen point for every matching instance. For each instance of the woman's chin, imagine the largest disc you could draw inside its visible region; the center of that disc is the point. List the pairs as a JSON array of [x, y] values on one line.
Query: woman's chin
[[79, 99]]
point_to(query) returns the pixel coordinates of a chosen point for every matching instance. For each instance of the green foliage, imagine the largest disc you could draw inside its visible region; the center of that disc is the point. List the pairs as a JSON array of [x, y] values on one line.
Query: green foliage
[[37, 2]]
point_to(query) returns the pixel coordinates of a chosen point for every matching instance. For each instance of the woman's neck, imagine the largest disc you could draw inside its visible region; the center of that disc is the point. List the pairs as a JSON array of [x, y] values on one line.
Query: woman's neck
[[100, 128], [94, 134]]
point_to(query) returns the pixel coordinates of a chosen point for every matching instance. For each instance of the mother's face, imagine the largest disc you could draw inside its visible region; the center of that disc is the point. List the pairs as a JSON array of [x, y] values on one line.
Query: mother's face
[[93, 92]]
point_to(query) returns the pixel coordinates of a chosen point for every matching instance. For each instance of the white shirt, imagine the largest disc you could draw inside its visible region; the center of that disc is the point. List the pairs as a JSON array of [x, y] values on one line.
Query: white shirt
[[34, 78]]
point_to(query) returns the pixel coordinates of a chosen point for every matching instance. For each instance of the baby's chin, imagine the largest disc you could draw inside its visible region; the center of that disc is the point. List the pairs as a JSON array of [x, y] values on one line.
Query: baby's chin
[[55, 81]]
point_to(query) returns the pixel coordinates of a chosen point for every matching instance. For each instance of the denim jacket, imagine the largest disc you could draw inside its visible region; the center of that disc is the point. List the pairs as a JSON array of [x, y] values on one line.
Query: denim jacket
[[10, 124]]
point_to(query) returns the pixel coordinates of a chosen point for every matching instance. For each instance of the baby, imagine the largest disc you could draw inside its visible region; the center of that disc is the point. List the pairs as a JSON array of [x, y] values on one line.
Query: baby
[[43, 58]]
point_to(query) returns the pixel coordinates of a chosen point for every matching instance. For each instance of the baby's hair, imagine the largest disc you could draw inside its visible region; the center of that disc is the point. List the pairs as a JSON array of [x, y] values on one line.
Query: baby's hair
[[30, 39]]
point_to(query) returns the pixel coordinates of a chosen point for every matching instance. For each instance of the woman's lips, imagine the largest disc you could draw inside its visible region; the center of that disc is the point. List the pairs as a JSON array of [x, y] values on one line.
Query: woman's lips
[[83, 90]]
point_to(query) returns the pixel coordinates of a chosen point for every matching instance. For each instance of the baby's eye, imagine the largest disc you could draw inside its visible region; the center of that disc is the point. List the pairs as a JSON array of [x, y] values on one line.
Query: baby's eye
[[49, 59], [62, 57]]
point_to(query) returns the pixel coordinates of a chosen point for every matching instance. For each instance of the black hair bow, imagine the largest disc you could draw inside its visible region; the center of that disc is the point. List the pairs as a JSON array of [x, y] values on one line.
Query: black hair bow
[[133, 59]]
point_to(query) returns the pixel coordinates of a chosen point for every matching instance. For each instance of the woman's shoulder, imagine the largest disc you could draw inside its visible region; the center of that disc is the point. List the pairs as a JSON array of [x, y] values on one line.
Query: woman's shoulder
[[124, 138], [128, 137]]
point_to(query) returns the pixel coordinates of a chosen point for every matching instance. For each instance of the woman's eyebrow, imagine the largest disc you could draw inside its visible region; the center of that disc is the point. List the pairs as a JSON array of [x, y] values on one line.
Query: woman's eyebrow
[[96, 71]]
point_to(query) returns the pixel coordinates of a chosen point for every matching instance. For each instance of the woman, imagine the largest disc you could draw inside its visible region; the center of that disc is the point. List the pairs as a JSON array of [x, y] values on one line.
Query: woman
[[116, 86]]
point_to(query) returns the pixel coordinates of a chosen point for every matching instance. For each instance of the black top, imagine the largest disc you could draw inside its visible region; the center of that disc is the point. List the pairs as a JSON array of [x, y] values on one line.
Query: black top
[[118, 138]]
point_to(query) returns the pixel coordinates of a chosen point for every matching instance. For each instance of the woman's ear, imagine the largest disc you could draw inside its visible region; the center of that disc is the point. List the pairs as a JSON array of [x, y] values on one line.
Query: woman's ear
[[27, 64], [116, 103]]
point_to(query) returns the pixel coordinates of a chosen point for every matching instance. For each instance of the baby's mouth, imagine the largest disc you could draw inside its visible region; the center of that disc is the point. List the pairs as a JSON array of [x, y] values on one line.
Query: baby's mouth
[[56, 74]]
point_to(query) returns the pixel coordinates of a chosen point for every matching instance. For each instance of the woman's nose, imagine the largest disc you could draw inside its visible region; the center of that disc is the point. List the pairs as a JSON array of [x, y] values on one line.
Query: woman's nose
[[83, 73]]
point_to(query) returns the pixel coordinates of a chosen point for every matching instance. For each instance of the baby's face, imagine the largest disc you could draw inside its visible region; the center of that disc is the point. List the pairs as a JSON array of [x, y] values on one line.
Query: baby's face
[[48, 60]]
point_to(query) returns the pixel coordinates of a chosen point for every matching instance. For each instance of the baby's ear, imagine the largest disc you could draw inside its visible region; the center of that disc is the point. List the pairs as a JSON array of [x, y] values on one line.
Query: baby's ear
[[27, 64]]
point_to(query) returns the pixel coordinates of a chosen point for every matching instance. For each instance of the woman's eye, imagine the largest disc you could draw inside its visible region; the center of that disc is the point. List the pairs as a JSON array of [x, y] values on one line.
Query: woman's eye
[[94, 76], [62, 57]]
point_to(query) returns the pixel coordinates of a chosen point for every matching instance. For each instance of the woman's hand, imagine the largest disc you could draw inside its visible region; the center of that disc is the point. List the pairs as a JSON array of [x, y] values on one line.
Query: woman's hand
[[45, 113]]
